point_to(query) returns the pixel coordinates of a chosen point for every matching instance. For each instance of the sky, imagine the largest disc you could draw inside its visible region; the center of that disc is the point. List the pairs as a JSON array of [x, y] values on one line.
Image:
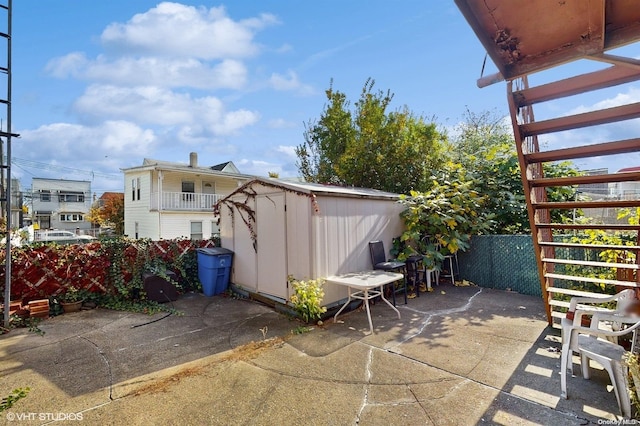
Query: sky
[[99, 86]]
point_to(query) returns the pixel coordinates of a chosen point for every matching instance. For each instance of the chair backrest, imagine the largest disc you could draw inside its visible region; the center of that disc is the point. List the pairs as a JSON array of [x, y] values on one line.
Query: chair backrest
[[376, 248], [625, 298]]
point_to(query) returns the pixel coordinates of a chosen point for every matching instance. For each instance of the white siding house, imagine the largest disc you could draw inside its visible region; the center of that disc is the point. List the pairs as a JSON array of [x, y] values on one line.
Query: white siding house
[[277, 228], [60, 203], [167, 200]]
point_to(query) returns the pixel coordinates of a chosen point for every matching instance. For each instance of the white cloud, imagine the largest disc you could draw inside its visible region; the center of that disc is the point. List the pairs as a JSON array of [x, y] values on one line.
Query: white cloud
[[70, 65], [180, 30], [631, 96], [257, 167], [156, 106], [288, 150], [281, 123], [75, 144], [162, 72], [290, 82]]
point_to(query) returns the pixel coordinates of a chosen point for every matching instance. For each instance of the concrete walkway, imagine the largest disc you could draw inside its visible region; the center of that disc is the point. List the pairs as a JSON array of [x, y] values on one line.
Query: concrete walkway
[[458, 356]]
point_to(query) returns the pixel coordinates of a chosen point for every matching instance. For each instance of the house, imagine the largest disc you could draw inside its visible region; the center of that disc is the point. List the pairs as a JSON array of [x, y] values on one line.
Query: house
[[278, 229], [627, 190], [167, 200], [60, 203], [17, 210]]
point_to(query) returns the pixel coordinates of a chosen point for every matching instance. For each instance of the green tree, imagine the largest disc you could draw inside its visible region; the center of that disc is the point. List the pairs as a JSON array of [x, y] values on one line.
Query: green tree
[[371, 147], [109, 212], [442, 220], [485, 147]]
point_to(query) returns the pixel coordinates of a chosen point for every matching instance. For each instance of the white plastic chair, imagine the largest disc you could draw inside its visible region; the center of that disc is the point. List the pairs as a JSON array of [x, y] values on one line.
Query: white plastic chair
[[608, 354], [586, 306]]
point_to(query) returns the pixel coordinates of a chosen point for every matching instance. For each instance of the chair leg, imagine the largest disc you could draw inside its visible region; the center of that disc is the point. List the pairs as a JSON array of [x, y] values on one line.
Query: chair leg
[[566, 353], [405, 288]]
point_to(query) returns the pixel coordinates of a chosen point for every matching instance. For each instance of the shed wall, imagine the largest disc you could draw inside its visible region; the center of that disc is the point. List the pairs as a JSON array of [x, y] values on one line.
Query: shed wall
[[341, 234]]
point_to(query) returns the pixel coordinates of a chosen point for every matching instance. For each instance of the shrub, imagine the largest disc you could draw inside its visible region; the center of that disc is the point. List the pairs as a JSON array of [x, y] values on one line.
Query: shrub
[[307, 300]]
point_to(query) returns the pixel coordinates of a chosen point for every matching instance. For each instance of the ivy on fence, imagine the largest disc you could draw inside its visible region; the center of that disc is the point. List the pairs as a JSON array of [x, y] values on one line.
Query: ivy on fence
[[112, 267]]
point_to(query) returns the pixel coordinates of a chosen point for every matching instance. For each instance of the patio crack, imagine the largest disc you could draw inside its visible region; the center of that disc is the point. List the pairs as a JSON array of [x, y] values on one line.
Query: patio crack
[[106, 362], [367, 383], [429, 316]]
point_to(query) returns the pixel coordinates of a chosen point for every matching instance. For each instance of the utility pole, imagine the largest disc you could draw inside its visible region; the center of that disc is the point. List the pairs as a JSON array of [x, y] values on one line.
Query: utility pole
[[5, 158]]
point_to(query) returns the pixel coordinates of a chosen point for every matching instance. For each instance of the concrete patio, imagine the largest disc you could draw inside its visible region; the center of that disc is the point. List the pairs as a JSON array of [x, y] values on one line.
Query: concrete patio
[[458, 356]]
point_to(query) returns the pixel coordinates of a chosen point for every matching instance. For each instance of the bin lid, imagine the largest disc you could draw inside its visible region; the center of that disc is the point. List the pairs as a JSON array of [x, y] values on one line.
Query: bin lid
[[214, 251]]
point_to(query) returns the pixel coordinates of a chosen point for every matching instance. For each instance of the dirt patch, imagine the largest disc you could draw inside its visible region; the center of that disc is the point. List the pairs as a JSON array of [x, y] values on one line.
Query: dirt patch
[[241, 353]]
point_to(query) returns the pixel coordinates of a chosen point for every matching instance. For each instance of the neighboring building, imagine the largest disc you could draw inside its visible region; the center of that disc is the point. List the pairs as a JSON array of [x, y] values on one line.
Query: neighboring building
[[167, 200], [17, 213], [60, 203], [595, 191], [629, 190]]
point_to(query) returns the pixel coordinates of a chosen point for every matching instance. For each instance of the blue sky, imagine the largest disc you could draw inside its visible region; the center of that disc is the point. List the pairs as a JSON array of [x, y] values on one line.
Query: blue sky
[[99, 86]]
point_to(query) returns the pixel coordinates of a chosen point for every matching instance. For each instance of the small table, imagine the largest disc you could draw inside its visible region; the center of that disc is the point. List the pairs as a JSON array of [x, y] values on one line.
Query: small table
[[367, 285]]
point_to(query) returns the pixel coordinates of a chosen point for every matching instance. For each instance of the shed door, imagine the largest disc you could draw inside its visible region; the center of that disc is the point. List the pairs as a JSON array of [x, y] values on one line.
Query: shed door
[[272, 246]]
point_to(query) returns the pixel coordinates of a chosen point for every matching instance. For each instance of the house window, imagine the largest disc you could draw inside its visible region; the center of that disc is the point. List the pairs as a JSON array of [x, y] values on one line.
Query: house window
[[71, 197], [135, 189], [196, 230], [65, 217], [45, 195], [189, 188]]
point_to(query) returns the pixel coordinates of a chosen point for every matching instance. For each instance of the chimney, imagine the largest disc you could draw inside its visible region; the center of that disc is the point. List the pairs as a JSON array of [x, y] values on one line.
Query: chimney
[[193, 159]]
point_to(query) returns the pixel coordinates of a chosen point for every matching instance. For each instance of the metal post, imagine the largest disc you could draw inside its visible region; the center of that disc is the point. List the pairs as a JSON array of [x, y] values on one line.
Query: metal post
[[7, 195]]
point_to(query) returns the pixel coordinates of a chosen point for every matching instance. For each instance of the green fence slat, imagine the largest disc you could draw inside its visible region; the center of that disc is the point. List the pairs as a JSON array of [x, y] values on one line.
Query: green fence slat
[[503, 262]]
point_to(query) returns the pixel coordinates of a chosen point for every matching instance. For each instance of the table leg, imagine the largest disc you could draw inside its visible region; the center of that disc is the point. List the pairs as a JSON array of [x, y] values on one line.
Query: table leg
[[386, 301], [366, 303], [344, 306]]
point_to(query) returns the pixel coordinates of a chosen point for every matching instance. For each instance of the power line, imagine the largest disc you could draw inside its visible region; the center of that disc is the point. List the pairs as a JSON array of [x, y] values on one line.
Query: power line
[[53, 167]]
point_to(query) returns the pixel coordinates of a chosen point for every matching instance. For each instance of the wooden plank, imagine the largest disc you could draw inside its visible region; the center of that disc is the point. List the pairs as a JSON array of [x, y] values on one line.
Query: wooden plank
[[586, 179], [587, 204], [617, 226], [585, 151], [592, 263], [39, 308], [583, 83], [589, 246], [592, 118], [589, 279], [572, 292]]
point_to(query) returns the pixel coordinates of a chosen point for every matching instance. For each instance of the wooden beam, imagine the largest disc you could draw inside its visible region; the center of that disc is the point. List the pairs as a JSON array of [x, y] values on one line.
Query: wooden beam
[[593, 118], [586, 151], [608, 77]]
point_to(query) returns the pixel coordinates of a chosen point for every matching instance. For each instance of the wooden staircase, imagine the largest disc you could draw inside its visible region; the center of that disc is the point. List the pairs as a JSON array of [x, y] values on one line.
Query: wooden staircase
[[562, 261]]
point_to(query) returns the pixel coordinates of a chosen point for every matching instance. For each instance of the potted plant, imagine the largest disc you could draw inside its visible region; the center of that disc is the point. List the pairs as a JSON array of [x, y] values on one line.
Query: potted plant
[[71, 300]]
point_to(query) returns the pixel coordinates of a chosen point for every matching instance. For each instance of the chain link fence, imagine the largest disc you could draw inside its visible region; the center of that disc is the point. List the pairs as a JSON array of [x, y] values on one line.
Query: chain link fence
[[502, 262]]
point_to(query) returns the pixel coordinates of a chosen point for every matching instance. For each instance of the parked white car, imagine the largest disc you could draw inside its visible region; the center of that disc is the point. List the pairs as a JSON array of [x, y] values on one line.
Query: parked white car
[[61, 237]]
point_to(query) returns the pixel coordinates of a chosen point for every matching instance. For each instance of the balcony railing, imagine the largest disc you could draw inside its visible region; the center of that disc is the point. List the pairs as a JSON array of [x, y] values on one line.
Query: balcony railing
[[184, 201]]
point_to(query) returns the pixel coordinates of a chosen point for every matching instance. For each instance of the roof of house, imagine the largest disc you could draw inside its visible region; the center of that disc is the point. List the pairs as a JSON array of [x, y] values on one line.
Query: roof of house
[[106, 195], [629, 169], [227, 169], [524, 36]]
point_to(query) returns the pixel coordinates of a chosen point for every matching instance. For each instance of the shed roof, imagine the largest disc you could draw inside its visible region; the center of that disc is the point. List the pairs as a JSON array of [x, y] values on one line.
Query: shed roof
[[524, 36], [321, 189]]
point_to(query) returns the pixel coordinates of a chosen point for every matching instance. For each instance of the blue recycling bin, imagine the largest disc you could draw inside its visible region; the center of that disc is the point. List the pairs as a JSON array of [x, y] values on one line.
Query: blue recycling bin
[[214, 269]]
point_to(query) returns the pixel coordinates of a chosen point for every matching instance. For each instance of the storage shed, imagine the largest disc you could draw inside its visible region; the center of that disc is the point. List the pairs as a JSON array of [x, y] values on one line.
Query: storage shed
[[278, 228]]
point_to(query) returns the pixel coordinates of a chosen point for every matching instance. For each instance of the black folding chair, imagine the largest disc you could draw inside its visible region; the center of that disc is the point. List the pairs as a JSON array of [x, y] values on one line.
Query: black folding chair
[[379, 261]]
